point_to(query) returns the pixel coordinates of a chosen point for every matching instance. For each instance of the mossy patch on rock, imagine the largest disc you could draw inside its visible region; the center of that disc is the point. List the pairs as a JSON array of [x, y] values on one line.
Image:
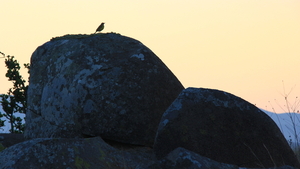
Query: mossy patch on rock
[[2, 147], [78, 36], [72, 36], [80, 163]]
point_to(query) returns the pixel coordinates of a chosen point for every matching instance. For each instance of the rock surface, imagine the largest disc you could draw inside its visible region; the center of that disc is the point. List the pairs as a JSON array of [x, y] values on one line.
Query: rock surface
[[58, 153], [223, 127], [183, 158], [83, 153], [104, 85]]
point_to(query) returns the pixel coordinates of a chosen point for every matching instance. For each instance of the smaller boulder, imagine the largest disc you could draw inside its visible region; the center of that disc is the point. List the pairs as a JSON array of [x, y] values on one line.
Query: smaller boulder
[[183, 158], [224, 128]]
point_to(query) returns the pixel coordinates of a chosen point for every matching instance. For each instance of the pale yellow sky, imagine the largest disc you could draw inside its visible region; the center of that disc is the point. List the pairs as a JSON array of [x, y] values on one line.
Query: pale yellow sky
[[244, 47]]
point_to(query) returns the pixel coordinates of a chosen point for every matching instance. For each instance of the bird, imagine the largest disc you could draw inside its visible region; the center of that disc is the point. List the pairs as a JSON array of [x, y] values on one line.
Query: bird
[[100, 28]]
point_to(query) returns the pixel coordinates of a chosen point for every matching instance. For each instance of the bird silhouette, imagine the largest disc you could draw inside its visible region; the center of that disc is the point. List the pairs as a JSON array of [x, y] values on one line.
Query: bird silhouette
[[100, 28]]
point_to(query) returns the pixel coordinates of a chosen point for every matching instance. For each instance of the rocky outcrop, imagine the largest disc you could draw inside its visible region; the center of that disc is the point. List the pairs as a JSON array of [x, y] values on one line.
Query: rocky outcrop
[[223, 127], [102, 100], [104, 85]]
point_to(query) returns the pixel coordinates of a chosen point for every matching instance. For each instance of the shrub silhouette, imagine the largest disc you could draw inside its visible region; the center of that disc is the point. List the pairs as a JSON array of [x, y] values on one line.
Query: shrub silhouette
[[15, 101]]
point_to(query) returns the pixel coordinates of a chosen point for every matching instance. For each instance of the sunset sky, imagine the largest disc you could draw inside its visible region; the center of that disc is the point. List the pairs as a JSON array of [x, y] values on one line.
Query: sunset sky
[[250, 48]]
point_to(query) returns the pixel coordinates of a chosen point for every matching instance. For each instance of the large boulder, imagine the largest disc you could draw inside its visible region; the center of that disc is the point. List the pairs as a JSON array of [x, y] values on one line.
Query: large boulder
[[58, 153], [104, 85], [223, 127]]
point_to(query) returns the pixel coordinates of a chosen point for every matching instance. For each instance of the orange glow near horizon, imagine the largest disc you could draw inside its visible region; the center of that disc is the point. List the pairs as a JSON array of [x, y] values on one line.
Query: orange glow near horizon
[[244, 47]]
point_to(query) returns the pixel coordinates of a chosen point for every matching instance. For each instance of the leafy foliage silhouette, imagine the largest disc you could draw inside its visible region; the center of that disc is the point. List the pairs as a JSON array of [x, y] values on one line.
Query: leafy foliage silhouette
[[15, 101]]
